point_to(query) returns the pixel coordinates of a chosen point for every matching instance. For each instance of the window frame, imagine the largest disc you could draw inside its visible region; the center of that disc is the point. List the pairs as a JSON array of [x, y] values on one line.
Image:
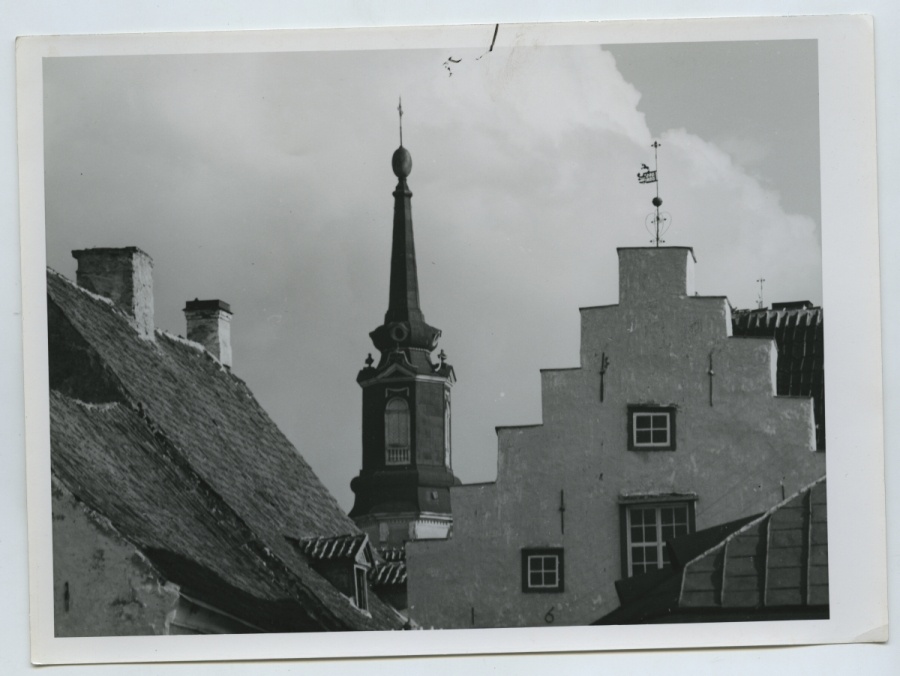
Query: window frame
[[544, 552], [688, 502], [361, 591], [403, 418], [634, 412]]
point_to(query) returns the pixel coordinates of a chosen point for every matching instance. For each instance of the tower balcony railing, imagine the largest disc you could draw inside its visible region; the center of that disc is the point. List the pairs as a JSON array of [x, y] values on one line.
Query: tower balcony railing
[[397, 455]]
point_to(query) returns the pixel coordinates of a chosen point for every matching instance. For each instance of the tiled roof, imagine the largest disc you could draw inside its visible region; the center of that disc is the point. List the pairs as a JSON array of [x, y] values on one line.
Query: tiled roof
[[798, 333], [333, 548], [391, 569], [174, 393], [775, 563]]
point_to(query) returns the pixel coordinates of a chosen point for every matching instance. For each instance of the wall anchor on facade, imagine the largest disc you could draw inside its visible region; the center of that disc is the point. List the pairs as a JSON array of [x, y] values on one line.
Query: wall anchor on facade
[[604, 364], [562, 511]]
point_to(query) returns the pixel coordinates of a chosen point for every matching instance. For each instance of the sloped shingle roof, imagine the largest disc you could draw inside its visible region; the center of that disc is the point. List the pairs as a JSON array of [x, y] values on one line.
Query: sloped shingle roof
[[798, 332], [221, 439]]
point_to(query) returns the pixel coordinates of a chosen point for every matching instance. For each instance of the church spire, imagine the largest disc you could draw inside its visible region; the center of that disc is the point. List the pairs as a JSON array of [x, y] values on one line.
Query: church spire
[[404, 324]]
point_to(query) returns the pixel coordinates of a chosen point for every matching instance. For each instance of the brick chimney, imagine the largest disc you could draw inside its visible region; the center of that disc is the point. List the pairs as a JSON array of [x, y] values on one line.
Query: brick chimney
[[125, 276], [209, 323]]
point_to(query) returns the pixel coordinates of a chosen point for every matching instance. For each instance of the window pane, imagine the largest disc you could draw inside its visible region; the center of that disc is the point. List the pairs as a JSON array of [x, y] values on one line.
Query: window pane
[[643, 437], [642, 421], [660, 436]]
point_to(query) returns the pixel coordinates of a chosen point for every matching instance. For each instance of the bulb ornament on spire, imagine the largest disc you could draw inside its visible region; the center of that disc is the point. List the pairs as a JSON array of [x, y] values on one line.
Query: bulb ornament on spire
[[401, 162]]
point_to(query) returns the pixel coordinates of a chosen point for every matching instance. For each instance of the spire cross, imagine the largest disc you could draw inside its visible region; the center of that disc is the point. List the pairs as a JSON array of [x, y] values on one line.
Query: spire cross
[[400, 111]]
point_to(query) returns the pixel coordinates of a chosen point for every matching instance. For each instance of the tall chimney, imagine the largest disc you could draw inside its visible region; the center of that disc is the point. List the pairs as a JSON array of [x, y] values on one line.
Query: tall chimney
[[125, 276], [209, 323]]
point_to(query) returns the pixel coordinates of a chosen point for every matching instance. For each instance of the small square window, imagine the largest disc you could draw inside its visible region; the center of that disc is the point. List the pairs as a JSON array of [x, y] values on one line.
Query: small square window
[[542, 570], [651, 428]]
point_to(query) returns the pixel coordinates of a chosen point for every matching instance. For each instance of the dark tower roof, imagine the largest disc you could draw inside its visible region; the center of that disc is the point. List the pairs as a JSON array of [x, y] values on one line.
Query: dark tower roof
[[404, 324]]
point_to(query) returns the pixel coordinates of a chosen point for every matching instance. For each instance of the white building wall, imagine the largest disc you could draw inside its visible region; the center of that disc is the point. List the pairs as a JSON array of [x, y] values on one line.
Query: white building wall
[[738, 456]]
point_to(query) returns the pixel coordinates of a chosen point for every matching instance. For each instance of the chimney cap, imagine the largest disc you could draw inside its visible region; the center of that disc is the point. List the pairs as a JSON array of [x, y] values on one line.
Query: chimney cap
[[128, 250], [197, 305]]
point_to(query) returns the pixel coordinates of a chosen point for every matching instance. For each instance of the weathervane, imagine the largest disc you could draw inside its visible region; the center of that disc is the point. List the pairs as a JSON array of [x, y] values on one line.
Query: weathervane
[[400, 110], [659, 222]]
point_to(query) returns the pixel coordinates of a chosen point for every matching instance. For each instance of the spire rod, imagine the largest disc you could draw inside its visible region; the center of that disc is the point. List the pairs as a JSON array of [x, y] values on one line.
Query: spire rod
[[759, 301], [400, 111], [646, 175], [657, 202]]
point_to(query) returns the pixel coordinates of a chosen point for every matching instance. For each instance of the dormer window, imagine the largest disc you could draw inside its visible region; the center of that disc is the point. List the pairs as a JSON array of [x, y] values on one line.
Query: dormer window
[[361, 588], [651, 428], [343, 560], [396, 432]]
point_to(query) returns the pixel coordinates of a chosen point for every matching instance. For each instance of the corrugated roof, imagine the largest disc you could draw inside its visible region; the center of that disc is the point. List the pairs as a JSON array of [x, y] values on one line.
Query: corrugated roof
[[798, 333], [214, 430], [774, 563], [779, 559]]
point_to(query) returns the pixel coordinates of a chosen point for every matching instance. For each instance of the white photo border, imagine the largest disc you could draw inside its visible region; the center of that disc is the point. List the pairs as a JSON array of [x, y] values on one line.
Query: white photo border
[[857, 555]]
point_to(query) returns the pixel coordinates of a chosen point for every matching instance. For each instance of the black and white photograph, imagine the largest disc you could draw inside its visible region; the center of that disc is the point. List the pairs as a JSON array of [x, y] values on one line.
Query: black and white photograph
[[408, 330]]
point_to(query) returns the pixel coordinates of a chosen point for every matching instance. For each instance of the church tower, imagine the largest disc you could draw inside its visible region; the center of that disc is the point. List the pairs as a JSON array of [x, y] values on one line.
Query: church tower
[[403, 489]]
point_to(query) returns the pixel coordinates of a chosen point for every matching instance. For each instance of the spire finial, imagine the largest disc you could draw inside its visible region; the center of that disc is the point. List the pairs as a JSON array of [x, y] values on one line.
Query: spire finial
[[400, 112], [759, 301]]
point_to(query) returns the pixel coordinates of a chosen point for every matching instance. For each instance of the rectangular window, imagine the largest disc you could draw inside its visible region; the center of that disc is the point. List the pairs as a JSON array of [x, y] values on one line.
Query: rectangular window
[[542, 570], [651, 428], [362, 588], [646, 529]]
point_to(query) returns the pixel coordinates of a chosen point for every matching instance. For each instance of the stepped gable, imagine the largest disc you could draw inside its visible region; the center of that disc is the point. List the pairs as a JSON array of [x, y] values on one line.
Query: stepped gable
[[195, 424], [798, 332]]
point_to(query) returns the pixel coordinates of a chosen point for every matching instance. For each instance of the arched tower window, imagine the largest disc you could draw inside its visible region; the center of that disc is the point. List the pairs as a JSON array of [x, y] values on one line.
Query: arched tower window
[[396, 432]]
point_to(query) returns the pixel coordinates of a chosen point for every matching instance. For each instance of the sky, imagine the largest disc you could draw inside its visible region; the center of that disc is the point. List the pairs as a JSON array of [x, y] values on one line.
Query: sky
[[264, 180]]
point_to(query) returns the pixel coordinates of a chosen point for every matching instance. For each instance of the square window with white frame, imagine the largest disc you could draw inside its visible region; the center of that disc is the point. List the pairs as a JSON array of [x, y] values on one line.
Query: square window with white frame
[[542, 570], [646, 528], [651, 428]]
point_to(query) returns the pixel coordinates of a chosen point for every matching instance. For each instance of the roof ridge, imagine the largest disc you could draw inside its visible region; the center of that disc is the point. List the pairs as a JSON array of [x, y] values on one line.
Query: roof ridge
[[89, 294], [765, 515]]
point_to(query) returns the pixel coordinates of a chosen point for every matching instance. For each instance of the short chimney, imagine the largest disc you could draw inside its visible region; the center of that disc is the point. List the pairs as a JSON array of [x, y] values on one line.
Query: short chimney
[[209, 323], [125, 276]]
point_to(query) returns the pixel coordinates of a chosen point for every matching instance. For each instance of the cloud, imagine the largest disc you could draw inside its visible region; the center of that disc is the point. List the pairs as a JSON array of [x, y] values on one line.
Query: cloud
[[265, 180]]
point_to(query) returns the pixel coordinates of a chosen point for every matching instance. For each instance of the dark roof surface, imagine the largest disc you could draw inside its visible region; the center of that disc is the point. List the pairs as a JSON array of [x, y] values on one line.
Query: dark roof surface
[[172, 392], [774, 563], [798, 333]]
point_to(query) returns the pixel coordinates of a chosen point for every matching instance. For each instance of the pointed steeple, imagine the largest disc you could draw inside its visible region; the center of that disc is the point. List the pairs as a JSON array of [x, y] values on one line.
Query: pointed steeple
[[403, 489], [404, 324], [404, 296]]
